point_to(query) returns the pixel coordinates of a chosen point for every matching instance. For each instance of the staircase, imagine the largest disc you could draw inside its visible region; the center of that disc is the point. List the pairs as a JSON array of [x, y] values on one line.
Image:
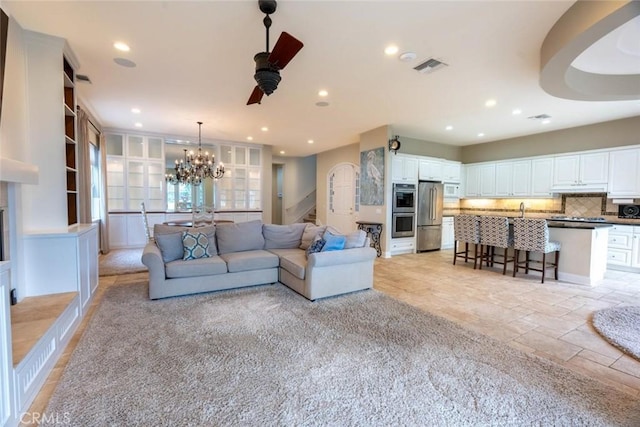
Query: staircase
[[310, 217]]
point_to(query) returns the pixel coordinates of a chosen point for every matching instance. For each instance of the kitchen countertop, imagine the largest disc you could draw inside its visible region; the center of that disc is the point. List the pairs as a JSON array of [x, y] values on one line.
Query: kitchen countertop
[[578, 224]]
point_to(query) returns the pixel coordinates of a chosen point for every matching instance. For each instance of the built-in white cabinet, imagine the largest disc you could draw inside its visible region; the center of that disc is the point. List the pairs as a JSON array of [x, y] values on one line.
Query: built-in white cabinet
[[431, 170], [624, 173], [472, 180], [451, 171], [488, 180], [624, 248], [513, 178], [448, 237], [6, 358], [590, 170], [541, 177], [403, 245], [404, 169]]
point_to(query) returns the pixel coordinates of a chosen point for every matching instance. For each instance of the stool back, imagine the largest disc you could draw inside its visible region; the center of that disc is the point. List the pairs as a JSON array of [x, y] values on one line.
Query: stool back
[[531, 234], [494, 231], [466, 228]]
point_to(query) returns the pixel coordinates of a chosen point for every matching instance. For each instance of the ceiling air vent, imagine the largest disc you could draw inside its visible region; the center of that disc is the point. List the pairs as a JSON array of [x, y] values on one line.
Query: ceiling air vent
[[83, 78], [429, 66]]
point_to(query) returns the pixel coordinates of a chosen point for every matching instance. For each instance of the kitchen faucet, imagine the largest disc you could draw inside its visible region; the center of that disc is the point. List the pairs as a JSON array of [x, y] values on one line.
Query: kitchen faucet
[[521, 209]]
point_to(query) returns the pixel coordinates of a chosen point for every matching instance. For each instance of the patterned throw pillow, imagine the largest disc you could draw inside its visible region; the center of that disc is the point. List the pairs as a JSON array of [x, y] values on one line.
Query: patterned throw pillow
[[195, 245], [315, 246]]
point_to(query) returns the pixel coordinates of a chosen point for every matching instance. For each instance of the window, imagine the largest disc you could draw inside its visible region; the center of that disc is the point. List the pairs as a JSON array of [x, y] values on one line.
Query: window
[[94, 160], [180, 196]]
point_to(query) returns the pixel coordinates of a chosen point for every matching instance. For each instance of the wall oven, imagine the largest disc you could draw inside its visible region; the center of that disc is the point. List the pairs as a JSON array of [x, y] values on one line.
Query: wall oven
[[403, 225], [404, 198]]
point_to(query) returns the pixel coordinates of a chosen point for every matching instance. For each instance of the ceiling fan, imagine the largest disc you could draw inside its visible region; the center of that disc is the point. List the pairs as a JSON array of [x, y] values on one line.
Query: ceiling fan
[[269, 64]]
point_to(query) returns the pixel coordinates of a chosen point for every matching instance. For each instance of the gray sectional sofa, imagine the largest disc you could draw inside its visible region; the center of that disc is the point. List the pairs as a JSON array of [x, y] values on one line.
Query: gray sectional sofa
[[252, 253]]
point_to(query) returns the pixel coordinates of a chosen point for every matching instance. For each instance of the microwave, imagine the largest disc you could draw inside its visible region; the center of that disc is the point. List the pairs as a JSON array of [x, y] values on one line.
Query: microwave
[[451, 191]]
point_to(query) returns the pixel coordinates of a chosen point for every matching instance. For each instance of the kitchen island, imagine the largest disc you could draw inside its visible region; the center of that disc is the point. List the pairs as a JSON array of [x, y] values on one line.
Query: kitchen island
[[583, 256]]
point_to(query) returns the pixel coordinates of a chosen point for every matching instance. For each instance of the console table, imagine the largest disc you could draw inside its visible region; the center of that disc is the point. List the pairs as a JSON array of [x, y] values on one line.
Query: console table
[[374, 230]]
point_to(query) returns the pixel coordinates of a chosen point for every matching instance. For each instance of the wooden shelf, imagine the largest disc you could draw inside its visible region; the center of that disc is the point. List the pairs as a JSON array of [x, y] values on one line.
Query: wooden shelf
[[68, 104]]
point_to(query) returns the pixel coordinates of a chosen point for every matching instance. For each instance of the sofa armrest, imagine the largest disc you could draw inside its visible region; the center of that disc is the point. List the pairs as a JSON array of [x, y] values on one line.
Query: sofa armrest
[[152, 258], [346, 256]]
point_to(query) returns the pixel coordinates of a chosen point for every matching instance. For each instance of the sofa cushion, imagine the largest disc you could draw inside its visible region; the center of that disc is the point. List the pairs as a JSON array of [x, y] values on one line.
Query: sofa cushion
[[169, 239], [238, 237], [250, 260], [295, 263], [196, 267], [195, 245], [309, 233], [282, 236], [315, 246], [356, 239]]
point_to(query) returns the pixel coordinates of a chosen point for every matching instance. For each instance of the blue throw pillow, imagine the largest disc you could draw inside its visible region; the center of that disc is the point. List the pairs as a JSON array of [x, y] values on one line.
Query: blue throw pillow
[[334, 243], [195, 245]]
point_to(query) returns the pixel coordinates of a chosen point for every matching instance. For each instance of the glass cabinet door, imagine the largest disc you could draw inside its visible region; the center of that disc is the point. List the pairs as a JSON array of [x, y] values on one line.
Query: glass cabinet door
[[136, 184], [135, 146], [155, 148], [115, 145], [115, 183], [155, 185]]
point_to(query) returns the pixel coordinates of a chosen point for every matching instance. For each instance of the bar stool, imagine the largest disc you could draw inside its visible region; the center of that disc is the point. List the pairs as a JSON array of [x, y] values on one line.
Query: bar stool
[[532, 235], [466, 228], [495, 233]]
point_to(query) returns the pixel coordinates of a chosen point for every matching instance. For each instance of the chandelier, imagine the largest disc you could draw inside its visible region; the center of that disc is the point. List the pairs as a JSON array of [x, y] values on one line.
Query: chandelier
[[195, 168]]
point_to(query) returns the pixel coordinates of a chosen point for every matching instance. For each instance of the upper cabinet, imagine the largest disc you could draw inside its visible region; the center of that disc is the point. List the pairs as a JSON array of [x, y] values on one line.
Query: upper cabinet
[[581, 172], [624, 173], [451, 171], [513, 179], [431, 170], [480, 180], [404, 169], [541, 176]]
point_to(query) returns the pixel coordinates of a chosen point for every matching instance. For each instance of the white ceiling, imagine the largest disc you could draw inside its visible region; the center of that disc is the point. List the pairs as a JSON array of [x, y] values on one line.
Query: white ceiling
[[195, 63]]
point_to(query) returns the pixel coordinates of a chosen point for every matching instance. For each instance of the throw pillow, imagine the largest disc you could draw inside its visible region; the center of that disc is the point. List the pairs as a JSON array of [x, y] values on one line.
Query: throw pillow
[[168, 238], [282, 236], [239, 237], [333, 242], [309, 233], [195, 245], [355, 239], [316, 246]]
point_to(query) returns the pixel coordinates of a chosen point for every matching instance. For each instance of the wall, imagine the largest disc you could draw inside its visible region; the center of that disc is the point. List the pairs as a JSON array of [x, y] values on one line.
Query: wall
[[325, 161], [615, 133], [299, 180], [420, 147]]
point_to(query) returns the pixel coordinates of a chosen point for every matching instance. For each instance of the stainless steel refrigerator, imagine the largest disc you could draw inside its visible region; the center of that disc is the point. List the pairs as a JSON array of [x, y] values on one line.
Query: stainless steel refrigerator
[[429, 215]]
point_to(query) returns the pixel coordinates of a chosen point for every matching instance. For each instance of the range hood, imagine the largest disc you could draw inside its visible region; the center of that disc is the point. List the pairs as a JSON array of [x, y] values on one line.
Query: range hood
[[17, 171]]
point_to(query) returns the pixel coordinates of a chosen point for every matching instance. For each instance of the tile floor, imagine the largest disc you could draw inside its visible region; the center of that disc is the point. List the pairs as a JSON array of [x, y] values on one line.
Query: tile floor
[[550, 320]]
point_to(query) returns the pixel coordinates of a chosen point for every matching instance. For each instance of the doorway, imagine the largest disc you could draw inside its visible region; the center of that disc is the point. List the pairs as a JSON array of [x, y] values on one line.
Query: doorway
[[342, 203], [276, 193]]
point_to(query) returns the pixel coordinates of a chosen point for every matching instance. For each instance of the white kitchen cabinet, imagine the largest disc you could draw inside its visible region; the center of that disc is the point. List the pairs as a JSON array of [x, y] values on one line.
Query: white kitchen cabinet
[[581, 170], [541, 176], [624, 248], [403, 245], [451, 171], [488, 180], [472, 180], [431, 170], [404, 169], [513, 178], [624, 173], [448, 237], [635, 249]]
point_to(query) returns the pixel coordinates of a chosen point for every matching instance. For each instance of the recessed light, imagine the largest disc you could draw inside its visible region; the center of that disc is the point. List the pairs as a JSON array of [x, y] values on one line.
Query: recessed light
[[449, 127], [138, 125], [490, 103], [310, 141], [407, 56], [322, 104], [323, 93], [123, 47], [281, 151], [249, 138], [480, 135], [124, 62], [135, 110], [516, 112], [391, 50], [264, 129]]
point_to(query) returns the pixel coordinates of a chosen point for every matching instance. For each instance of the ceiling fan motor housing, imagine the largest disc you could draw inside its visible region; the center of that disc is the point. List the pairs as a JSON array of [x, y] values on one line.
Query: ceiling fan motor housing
[[266, 75]]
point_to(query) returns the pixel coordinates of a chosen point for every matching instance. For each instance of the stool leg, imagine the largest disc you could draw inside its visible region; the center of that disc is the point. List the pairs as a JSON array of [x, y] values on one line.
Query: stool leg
[[466, 251], [556, 266], [526, 262], [475, 256], [455, 251], [515, 262], [544, 265], [504, 267], [482, 255]]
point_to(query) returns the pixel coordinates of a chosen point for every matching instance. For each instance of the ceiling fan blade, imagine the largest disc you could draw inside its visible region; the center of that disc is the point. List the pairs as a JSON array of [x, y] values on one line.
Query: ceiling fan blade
[[285, 49], [256, 96]]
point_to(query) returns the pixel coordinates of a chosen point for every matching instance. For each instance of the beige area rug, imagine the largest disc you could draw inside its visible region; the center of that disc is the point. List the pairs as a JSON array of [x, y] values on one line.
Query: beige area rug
[[267, 356], [121, 261], [621, 327]]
